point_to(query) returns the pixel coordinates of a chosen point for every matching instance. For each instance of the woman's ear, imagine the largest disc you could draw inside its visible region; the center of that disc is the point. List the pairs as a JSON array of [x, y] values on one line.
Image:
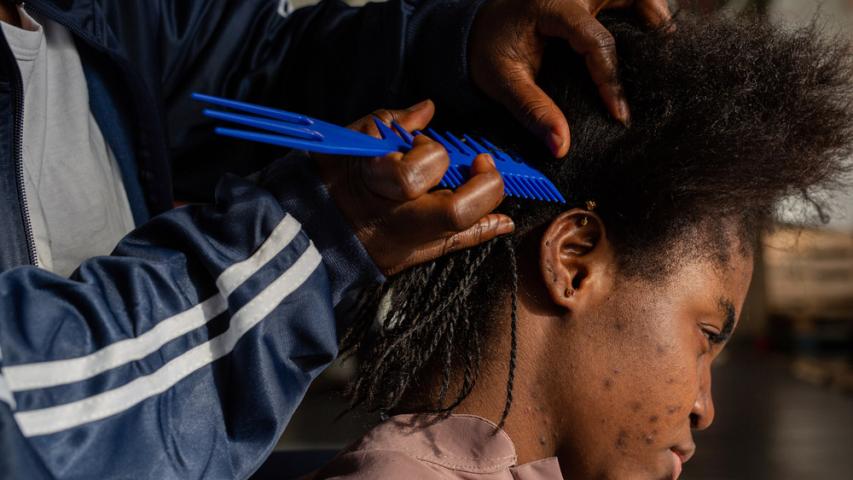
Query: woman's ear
[[576, 259]]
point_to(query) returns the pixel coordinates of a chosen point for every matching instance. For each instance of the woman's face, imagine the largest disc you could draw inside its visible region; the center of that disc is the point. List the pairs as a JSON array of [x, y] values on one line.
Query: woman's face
[[634, 375]]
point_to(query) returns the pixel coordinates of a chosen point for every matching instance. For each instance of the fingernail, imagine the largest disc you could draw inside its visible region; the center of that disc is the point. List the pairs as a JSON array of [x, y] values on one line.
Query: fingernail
[[555, 143], [417, 106], [624, 113], [507, 226], [491, 161]]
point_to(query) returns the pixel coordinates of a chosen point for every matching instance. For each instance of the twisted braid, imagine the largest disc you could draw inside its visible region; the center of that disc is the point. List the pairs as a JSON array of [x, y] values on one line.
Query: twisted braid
[[429, 322], [705, 144], [513, 350]]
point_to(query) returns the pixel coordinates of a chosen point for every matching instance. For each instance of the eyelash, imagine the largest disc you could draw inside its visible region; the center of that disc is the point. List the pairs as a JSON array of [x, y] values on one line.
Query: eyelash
[[713, 337]]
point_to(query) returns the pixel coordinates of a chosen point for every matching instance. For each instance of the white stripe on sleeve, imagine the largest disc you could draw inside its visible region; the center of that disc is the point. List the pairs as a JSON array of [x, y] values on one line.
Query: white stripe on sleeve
[[284, 8], [54, 419], [5, 393], [61, 372], [279, 239]]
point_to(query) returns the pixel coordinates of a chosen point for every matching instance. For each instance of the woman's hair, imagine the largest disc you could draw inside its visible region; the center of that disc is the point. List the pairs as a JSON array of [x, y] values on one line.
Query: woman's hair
[[729, 117]]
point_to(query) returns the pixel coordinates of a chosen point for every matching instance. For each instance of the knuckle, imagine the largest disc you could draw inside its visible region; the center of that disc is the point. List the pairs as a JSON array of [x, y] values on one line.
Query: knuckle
[[437, 155], [361, 125], [410, 179], [602, 40], [410, 183], [433, 148], [456, 217], [387, 116], [482, 231], [535, 111], [451, 244]]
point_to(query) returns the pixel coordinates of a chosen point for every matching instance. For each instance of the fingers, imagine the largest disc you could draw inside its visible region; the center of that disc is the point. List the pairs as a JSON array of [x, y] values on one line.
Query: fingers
[[413, 118], [589, 38], [465, 215], [487, 228], [404, 177], [655, 12], [416, 117], [536, 111], [484, 164], [459, 210]]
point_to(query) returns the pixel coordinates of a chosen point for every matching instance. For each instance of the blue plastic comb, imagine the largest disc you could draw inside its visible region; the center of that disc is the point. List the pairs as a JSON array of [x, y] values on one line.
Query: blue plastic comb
[[305, 133]]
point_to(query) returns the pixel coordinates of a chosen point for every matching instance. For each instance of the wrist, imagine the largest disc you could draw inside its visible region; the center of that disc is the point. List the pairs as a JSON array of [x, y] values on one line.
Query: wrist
[[298, 185]]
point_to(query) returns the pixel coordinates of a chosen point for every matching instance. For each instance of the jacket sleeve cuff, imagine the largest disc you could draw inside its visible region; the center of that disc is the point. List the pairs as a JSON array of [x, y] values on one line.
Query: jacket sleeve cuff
[[295, 182], [437, 39]]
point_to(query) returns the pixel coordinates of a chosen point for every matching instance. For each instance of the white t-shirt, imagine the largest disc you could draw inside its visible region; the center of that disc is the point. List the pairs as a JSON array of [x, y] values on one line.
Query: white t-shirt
[[75, 195]]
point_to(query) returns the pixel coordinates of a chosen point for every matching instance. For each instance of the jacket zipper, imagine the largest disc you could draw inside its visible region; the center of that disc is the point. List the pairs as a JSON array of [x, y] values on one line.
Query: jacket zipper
[[19, 167], [19, 141], [19, 134]]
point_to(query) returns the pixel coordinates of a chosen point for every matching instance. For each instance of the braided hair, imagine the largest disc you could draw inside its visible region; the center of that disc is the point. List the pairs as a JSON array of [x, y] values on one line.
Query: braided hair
[[729, 117]]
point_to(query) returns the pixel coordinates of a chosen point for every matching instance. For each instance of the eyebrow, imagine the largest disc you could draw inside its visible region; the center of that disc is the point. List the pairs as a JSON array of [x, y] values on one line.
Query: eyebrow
[[727, 308]]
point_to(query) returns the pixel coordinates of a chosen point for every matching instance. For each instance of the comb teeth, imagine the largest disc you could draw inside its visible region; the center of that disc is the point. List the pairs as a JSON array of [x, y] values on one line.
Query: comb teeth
[[520, 179], [525, 187], [475, 145], [404, 134], [460, 145], [453, 177], [535, 187]]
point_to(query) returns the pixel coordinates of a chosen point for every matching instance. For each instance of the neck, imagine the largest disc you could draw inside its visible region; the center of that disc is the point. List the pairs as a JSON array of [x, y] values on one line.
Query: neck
[[532, 422], [9, 13]]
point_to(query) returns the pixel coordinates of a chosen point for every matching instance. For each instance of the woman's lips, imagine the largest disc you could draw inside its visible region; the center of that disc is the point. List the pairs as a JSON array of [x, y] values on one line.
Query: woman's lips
[[676, 459], [684, 452], [680, 455]]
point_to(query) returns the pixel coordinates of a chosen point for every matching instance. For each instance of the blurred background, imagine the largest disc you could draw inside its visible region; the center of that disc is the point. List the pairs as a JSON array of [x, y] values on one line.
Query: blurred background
[[783, 389]]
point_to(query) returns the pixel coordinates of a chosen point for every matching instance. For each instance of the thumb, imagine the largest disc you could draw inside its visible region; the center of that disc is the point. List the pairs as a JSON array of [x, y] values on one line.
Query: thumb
[[535, 110], [487, 228], [413, 118]]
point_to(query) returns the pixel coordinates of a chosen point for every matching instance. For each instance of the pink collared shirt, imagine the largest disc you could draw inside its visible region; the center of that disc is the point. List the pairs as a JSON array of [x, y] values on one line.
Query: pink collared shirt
[[408, 447]]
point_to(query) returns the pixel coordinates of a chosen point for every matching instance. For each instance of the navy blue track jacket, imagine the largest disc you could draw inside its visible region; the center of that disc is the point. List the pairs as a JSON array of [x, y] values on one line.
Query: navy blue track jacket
[[185, 352]]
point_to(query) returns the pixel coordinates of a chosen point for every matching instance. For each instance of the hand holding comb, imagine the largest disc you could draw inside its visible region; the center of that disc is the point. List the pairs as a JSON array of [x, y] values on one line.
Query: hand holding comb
[[292, 130]]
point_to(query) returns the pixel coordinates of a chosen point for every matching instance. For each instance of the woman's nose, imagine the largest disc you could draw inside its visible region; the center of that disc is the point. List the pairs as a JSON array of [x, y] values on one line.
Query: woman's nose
[[702, 413]]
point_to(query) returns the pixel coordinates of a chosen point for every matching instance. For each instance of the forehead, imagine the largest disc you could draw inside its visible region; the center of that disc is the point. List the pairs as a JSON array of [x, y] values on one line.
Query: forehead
[[710, 282]]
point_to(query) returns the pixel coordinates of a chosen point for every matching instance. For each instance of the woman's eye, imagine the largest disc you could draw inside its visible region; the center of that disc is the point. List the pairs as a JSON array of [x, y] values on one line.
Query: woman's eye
[[713, 336]]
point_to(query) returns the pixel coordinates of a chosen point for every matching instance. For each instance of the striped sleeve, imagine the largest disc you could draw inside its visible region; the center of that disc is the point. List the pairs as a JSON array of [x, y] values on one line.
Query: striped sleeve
[[187, 350], [5, 392]]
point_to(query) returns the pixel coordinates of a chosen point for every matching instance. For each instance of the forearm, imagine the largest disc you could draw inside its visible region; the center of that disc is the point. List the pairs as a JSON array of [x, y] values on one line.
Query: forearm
[[226, 309]]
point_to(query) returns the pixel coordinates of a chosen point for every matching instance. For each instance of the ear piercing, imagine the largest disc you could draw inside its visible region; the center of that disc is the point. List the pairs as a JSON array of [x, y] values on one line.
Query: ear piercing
[[569, 292], [591, 205], [584, 221]]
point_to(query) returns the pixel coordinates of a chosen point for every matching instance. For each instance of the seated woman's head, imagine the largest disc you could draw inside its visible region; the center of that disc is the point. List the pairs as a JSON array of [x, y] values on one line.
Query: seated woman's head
[[590, 332]]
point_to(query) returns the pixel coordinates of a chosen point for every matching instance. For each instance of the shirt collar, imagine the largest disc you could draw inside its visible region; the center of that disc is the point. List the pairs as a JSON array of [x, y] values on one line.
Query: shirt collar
[[464, 443]]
